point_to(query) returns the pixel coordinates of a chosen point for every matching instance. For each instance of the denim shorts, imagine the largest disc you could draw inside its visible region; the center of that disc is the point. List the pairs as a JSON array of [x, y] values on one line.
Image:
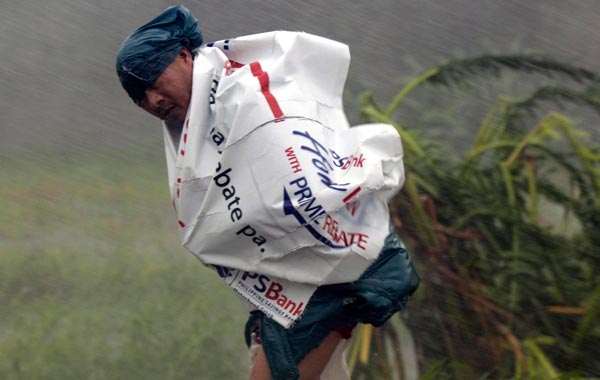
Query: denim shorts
[[382, 290]]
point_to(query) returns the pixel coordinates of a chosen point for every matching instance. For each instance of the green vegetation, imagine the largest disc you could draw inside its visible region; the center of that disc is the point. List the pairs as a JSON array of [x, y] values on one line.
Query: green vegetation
[[505, 235], [93, 284]]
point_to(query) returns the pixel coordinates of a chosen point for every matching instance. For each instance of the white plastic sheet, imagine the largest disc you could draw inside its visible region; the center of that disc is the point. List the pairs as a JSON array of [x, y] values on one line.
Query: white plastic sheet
[[271, 186]]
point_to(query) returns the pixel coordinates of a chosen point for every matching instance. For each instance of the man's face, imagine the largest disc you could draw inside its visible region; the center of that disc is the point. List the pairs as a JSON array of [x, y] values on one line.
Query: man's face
[[169, 97]]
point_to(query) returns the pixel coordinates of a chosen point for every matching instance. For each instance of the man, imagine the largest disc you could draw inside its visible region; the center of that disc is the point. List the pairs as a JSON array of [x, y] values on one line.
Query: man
[[271, 187]]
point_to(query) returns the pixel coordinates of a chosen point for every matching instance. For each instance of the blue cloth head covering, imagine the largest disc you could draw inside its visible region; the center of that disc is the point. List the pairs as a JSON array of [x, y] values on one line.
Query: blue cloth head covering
[[147, 52]]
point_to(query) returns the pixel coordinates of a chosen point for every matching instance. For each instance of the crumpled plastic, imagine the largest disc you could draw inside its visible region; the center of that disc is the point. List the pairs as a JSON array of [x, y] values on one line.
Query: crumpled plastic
[[272, 187]]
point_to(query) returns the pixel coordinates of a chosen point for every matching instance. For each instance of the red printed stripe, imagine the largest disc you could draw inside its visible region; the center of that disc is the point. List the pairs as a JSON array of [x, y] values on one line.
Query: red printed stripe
[[181, 224], [349, 196], [263, 79], [230, 67], [235, 65]]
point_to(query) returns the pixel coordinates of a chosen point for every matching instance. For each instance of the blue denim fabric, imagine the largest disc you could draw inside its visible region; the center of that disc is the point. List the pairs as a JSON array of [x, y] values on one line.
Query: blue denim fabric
[[382, 290]]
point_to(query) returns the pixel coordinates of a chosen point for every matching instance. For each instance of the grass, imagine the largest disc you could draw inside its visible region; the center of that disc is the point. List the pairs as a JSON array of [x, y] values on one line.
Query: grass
[[93, 283]]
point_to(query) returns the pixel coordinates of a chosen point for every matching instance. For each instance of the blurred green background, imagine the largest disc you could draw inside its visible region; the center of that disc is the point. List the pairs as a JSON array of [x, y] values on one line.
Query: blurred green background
[[93, 284]]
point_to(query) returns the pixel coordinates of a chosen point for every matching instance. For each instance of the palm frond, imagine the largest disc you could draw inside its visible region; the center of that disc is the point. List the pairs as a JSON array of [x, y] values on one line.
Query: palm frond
[[460, 71]]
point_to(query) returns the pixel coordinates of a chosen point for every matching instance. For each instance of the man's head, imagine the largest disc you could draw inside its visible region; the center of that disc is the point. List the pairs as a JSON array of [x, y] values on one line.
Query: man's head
[[169, 96], [154, 63]]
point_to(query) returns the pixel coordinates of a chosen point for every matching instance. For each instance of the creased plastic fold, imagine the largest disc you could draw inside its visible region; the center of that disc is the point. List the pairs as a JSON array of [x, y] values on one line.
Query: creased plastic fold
[[271, 186]]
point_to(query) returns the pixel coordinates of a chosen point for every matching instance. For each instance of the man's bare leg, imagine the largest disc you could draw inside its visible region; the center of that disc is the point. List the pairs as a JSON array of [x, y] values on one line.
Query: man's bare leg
[[310, 367]]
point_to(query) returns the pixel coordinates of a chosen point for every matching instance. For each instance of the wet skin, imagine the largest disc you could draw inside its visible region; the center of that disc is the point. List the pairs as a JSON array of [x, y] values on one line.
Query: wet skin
[[169, 97]]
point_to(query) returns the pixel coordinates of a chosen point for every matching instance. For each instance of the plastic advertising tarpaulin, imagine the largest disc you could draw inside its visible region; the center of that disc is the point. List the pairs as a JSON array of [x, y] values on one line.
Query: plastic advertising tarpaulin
[[271, 186]]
